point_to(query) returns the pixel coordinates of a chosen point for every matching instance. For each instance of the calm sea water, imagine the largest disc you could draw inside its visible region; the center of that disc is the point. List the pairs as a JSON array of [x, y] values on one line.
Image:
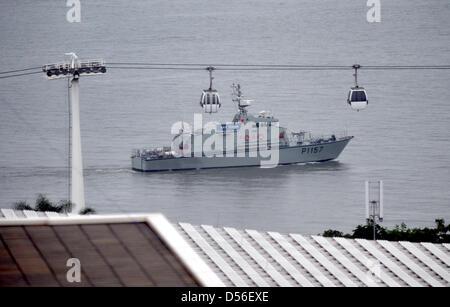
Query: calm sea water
[[403, 137]]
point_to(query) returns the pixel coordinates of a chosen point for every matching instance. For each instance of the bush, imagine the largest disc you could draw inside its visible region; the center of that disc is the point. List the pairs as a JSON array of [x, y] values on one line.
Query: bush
[[43, 204], [439, 234], [22, 205], [332, 233]]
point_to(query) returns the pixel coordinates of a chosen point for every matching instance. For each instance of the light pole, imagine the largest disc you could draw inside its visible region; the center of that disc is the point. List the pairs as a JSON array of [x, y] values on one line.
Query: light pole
[[73, 70], [374, 203]]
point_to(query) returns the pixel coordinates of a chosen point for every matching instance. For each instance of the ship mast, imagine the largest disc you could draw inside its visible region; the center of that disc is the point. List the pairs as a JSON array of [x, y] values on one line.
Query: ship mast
[[237, 97]]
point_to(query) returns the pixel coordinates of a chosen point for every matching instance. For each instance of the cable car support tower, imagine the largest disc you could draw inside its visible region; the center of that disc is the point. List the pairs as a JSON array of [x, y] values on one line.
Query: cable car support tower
[[73, 70]]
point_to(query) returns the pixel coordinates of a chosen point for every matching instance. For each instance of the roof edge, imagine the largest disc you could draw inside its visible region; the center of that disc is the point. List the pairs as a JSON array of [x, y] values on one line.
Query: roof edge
[[76, 219], [195, 264]]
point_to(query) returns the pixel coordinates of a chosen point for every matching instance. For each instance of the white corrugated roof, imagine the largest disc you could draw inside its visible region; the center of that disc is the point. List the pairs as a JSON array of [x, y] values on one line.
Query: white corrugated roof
[[261, 258], [258, 258]]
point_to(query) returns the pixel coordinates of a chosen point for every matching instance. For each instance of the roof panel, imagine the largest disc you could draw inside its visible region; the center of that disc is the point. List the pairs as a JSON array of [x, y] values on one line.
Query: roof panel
[[437, 252], [366, 262], [410, 263], [27, 257], [93, 264], [412, 248], [110, 254], [277, 256], [302, 260], [258, 258], [323, 260], [235, 256], [348, 264], [10, 274], [171, 271], [116, 255], [371, 248], [8, 214], [213, 255], [54, 253]]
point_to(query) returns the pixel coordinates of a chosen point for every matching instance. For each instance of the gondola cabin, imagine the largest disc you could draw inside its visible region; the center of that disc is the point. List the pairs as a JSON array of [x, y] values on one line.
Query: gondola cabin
[[210, 101], [357, 98]]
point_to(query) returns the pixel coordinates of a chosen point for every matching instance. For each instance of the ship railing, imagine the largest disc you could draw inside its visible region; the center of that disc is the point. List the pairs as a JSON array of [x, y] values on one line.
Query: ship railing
[[305, 138], [158, 152], [236, 151], [239, 149], [135, 153]]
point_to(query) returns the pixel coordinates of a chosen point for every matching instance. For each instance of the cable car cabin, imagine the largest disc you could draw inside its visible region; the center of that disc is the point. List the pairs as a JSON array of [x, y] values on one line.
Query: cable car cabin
[[210, 101], [357, 98]]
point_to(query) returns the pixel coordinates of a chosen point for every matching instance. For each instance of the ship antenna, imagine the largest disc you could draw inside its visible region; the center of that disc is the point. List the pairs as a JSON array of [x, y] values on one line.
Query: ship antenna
[[237, 97]]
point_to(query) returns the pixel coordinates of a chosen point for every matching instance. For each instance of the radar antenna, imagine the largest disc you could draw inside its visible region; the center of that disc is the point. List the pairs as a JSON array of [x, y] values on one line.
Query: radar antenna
[[236, 94]]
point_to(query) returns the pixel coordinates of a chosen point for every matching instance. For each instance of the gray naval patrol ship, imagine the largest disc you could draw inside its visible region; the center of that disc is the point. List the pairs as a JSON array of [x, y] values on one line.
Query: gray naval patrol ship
[[288, 147]]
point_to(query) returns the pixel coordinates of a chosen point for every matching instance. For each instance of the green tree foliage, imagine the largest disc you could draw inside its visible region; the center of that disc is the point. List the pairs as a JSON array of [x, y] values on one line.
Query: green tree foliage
[[87, 211], [22, 205], [43, 204], [439, 234], [332, 233]]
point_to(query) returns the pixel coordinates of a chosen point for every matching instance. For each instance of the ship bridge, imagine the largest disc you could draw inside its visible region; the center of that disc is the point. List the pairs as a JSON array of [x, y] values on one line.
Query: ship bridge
[[263, 117]]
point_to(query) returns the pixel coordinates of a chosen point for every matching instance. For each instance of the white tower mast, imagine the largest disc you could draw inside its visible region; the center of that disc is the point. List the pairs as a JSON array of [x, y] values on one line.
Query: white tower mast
[[74, 70], [374, 203]]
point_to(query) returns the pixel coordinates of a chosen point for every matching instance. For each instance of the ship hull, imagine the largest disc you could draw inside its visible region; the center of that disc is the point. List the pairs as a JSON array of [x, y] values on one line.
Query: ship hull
[[287, 155]]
